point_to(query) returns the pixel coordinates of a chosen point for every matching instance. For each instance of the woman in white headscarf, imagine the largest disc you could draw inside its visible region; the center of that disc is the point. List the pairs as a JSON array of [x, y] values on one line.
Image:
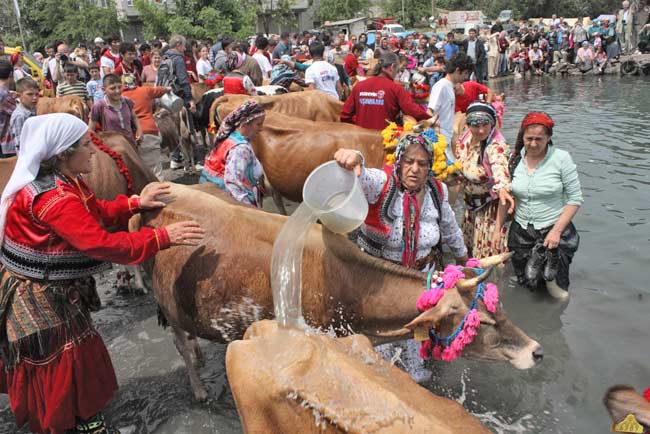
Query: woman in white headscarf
[[54, 364]]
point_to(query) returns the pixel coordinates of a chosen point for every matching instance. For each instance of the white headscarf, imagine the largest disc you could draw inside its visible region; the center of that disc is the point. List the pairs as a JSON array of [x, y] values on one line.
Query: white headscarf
[[42, 138]]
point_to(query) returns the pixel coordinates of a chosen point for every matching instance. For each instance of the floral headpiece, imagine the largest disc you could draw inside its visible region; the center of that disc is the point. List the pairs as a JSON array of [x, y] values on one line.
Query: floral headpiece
[[441, 167]]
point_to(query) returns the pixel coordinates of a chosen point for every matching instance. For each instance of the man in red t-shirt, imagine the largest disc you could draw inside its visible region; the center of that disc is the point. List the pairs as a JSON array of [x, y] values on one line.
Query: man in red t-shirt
[[468, 92], [378, 100]]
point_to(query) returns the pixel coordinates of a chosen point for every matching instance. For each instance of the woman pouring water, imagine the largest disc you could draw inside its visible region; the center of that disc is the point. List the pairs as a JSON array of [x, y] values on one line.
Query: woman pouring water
[[409, 216]]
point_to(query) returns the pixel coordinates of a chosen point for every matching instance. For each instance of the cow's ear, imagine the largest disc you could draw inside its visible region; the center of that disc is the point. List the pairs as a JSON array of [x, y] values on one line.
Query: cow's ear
[[450, 304]]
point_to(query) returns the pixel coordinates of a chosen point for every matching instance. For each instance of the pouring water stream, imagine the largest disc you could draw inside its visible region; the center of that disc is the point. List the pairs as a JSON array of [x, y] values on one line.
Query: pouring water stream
[[331, 194]]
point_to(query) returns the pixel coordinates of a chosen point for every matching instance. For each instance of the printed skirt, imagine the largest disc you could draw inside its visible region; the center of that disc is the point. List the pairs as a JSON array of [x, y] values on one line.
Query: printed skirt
[[478, 226], [54, 365]]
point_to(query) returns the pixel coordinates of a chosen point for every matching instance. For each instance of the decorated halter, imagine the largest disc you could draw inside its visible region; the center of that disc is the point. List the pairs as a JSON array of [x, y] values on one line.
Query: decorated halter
[[450, 347]]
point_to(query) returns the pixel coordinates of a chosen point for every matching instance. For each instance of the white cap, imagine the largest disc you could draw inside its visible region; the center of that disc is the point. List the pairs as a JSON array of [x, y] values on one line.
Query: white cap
[[99, 40]]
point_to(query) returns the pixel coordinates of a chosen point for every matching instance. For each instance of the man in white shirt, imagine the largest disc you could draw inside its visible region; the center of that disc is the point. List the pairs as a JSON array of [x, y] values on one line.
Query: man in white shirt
[[443, 98], [321, 75], [111, 58], [261, 44]]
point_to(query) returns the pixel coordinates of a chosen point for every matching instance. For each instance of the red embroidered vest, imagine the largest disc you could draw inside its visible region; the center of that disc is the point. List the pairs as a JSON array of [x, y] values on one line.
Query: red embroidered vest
[[375, 230], [31, 249], [215, 165], [234, 84]]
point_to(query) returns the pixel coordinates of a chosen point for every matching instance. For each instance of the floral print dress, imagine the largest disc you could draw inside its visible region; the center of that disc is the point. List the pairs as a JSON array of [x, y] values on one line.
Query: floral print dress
[[480, 207]]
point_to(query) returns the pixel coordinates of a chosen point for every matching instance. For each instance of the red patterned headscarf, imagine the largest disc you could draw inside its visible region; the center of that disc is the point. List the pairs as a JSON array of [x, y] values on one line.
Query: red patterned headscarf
[[538, 118], [14, 57]]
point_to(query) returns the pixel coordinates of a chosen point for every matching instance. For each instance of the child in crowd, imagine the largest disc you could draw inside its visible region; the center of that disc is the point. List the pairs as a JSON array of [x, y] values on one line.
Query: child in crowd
[[94, 86], [115, 112], [71, 85], [27, 90], [601, 60], [143, 97]]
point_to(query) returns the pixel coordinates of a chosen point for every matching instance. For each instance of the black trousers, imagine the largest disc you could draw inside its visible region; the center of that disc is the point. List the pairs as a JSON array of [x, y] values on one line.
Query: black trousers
[[522, 240]]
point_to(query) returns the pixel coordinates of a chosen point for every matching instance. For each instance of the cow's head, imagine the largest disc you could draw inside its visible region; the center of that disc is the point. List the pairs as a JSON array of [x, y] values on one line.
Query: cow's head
[[622, 401], [498, 339]]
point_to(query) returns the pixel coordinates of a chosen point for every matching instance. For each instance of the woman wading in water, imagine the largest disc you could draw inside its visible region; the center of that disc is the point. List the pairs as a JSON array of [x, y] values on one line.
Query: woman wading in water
[[546, 187]]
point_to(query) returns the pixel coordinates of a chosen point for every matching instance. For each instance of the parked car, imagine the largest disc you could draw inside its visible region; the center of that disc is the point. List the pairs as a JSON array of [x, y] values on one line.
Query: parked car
[[394, 29]]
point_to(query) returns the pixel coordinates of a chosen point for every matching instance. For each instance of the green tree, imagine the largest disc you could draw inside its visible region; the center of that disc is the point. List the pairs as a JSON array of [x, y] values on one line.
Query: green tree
[[414, 10], [334, 10], [274, 11], [70, 20], [154, 19], [197, 19]]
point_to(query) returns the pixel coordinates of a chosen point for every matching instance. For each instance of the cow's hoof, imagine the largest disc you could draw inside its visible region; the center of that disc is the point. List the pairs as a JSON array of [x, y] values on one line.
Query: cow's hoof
[[200, 394]]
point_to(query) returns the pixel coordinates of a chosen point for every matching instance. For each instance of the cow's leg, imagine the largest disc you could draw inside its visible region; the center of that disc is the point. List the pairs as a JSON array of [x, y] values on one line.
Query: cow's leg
[[138, 274], [198, 359], [186, 147], [279, 202], [186, 350]]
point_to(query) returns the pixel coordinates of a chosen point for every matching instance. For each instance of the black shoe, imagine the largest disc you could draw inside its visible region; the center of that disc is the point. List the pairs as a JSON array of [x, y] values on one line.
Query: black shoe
[[535, 264], [552, 261]]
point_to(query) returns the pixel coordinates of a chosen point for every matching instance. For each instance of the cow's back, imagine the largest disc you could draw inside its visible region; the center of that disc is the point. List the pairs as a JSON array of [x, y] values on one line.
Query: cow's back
[[310, 105], [204, 289], [290, 149]]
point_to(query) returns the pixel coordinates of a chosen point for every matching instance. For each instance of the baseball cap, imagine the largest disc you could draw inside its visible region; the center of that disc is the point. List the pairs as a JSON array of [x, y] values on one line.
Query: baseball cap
[[99, 40]]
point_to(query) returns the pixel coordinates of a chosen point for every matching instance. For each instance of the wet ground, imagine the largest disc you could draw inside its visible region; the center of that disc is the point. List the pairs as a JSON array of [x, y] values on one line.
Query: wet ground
[[599, 338]]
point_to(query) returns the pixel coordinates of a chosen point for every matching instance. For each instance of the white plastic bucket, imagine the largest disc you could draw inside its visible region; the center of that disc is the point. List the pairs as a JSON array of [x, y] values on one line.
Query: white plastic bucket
[[335, 195]]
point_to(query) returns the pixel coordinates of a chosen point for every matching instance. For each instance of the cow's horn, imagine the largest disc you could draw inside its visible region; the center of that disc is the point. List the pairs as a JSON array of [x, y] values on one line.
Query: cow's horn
[[495, 259], [474, 281]]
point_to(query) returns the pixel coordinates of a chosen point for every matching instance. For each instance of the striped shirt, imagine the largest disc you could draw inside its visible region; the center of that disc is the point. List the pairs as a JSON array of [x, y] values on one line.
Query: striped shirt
[[77, 88]]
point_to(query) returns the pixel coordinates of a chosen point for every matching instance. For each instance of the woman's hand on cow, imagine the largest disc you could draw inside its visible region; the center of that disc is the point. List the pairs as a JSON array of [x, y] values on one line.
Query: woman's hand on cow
[[187, 233], [153, 194], [506, 198], [552, 239], [348, 158]]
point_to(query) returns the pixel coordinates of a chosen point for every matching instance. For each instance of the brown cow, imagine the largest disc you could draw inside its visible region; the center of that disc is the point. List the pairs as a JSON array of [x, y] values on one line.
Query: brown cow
[[311, 105], [215, 291], [288, 381], [290, 149], [622, 401], [71, 104]]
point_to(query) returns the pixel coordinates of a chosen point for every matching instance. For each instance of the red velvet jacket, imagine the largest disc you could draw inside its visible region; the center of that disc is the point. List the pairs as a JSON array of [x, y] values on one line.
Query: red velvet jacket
[[233, 84], [56, 230]]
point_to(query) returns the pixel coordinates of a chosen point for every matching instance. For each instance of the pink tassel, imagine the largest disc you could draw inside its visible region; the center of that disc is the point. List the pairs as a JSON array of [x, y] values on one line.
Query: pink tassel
[[436, 353], [425, 349], [473, 263], [451, 276], [473, 319], [491, 297], [429, 299], [449, 355]]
